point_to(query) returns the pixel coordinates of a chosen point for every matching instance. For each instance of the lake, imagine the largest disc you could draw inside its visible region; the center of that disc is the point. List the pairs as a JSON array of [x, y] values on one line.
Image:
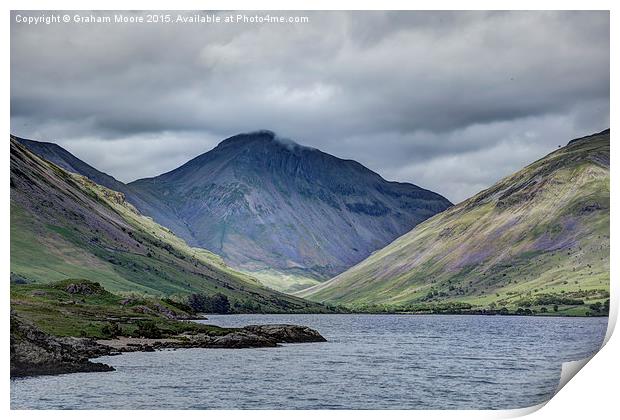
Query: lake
[[369, 362]]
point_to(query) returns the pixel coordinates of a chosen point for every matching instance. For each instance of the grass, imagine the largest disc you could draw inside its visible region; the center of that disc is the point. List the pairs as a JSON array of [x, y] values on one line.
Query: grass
[[56, 311], [44, 255]]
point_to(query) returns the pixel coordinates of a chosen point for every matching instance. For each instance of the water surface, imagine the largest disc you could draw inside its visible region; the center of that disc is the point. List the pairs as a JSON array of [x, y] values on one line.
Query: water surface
[[369, 362]]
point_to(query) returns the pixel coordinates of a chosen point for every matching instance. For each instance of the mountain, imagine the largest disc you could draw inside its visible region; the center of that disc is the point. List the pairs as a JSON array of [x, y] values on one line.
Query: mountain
[[288, 214], [62, 158], [69, 162], [64, 225], [535, 239]]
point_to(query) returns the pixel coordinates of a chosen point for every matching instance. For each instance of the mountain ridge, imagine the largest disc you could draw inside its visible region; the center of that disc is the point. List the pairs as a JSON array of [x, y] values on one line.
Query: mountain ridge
[[537, 235], [63, 225], [61, 157], [269, 204], [269, 136], [289, 214]]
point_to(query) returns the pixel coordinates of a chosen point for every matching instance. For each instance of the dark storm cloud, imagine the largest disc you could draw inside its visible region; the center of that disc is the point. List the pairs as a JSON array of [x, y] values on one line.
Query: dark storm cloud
[[451, 101]]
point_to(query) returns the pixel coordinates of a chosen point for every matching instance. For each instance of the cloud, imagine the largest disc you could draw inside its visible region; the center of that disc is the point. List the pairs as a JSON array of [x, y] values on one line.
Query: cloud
[[450, 101]]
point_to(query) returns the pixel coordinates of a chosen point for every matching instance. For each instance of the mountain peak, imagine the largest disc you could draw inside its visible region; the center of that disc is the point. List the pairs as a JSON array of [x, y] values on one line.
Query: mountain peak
[[271, 206], [262, 137], [258, 135]]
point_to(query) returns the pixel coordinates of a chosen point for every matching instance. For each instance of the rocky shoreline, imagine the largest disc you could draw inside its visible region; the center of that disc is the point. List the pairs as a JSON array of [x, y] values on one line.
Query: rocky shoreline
[[251, 336], [34, 352]]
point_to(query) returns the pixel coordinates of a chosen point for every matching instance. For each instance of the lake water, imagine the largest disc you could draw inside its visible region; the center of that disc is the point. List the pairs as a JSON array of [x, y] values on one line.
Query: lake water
[[369, 362]]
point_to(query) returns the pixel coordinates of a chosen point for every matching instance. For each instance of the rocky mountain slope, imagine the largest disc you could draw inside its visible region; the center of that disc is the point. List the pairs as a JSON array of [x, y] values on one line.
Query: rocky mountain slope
[[536, 240], [277, 209], [64, 159], [289, 215], [63, 225]]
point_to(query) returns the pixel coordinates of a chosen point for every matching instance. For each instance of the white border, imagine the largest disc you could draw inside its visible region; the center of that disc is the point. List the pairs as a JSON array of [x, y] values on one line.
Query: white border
[[592, 395]]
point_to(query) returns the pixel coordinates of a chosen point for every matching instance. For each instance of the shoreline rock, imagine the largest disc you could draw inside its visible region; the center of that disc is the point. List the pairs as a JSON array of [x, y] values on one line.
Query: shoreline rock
[[252, 336], [287, 333], [34, 352]]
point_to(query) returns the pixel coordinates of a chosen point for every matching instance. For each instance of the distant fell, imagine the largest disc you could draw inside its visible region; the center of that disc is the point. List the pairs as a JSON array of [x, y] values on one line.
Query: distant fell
[[536, 241], [289, 214]]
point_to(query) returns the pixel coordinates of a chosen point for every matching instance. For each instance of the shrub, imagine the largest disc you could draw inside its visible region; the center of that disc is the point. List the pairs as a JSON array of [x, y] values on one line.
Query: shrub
[[217, 303], [522, 311], [111, 330], [179, 305], [596, 307], [548, 299], [147, 329], [220, 304], [248, 305], [198, 302]]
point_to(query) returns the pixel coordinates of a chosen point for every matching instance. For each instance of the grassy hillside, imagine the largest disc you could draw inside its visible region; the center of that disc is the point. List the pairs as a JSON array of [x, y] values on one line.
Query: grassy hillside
[[80, 308], [537, 241], [65, 226]]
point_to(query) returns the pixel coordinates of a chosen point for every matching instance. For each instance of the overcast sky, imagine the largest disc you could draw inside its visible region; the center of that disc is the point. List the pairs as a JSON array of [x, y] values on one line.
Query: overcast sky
[[448, 101]]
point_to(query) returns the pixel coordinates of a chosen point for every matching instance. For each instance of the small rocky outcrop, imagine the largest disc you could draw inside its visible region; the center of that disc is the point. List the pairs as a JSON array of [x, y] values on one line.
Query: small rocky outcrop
[[242, 339], [143, 309], [85, 288], [253, 336], [86, 347], [34, 352], [286, 333], [165, 311]]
